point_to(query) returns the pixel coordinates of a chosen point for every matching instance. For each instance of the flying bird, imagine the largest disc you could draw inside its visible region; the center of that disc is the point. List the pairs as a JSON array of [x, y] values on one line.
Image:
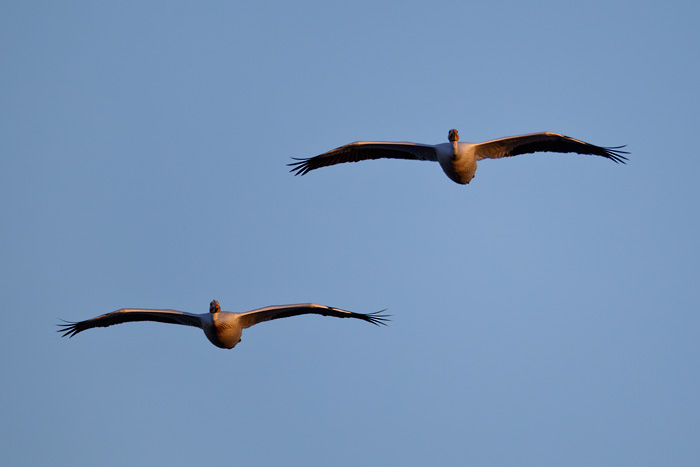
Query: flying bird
[[222, 328], [458, 160]]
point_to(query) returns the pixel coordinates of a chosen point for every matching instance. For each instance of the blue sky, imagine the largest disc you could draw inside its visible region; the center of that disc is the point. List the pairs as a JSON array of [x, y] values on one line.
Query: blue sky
[[545, 314]]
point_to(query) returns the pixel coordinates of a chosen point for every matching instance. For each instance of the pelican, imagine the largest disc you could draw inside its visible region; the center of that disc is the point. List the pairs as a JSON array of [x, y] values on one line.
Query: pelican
[[458, 160], [222, 328]]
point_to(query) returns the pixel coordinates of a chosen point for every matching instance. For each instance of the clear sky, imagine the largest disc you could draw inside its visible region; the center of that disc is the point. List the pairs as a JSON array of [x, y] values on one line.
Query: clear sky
[[547, 314]]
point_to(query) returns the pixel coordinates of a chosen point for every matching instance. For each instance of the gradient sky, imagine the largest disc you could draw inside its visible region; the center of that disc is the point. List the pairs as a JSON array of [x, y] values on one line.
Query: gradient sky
[[547, 314]]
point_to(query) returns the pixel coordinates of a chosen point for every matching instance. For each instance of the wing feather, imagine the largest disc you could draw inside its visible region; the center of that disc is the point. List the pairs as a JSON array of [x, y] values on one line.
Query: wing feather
[[365, 150], [544, 142], [126, 315], [250, 318]]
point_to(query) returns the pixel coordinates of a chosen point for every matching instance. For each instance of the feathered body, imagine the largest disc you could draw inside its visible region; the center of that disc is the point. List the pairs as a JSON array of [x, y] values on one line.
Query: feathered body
[[222, 328], [458, 160]]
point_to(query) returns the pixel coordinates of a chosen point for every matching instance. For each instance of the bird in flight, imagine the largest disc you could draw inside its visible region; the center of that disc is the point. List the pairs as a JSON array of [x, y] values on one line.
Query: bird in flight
[[458, 160], [222, 328]]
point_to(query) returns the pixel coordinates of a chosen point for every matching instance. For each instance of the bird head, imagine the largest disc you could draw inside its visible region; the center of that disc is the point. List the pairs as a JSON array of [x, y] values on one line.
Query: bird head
[[453, 135], [214, 307]]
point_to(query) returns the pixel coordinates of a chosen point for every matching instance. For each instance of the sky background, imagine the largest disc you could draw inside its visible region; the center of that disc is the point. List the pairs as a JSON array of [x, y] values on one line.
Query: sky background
[[547, 314]]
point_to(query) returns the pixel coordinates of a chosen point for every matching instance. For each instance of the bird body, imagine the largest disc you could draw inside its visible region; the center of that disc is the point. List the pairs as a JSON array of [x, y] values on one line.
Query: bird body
[[222, 328], [458, 160]]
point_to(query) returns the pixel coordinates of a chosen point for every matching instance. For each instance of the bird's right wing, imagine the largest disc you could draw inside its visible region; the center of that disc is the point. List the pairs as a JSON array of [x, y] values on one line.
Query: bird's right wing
[[544, 142], [285, 311], [126, 315], [364, 150]]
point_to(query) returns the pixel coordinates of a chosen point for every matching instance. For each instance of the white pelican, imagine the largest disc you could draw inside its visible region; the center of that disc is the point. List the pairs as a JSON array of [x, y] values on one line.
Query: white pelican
[[458, 160], [222, 328]]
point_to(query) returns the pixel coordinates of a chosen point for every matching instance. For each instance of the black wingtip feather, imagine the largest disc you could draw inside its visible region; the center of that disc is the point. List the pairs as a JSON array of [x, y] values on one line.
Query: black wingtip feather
[[615, 154], [377, 318], [301, 167], [69, 329]]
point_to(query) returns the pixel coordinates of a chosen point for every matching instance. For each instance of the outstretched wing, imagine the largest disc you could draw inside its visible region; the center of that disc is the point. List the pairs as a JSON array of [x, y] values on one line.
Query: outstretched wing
[[126, 315], [285, 311], [364, 150], [544, 142]]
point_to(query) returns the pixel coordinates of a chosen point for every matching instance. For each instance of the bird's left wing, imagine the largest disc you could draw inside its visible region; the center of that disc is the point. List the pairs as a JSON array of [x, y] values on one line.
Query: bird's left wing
[[285, 311], [365, 150], [544, 142], [126, 315]]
